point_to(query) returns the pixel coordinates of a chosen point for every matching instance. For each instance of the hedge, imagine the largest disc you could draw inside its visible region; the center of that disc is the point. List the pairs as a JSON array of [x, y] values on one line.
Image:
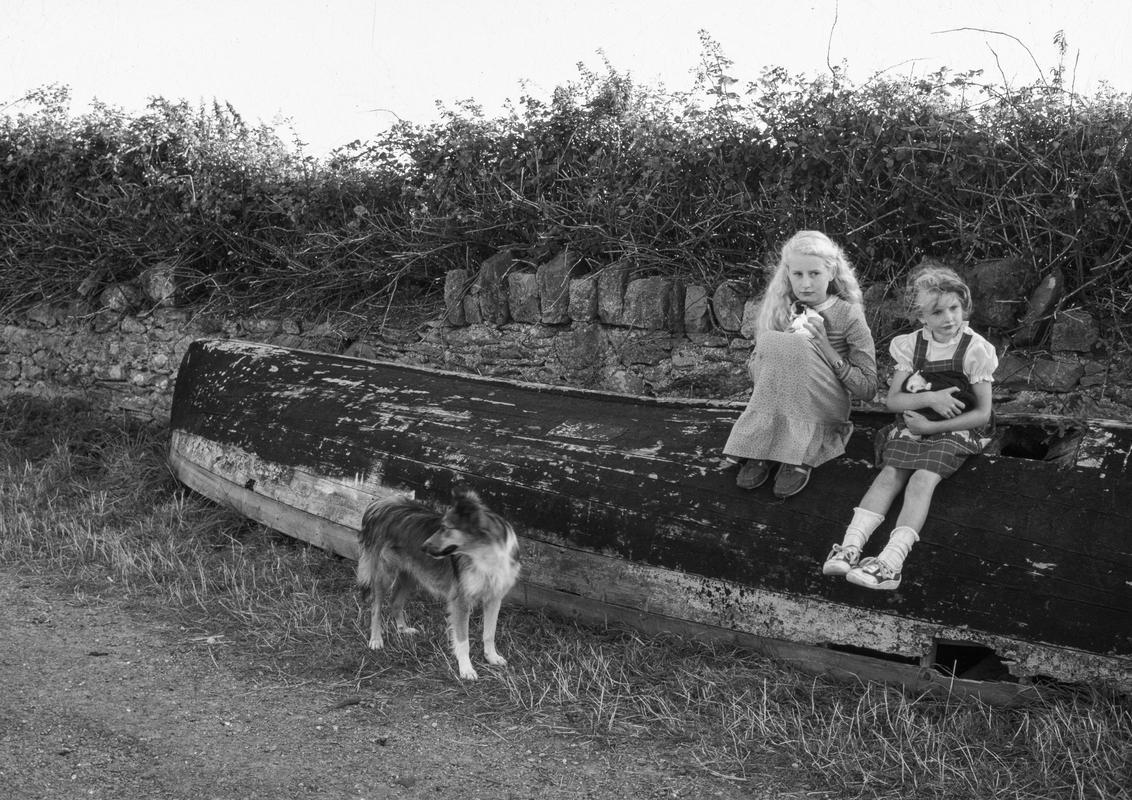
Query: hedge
[[699, 185]]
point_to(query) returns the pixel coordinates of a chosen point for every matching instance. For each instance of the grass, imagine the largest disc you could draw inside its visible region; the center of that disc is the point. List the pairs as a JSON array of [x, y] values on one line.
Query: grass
[[91, 502]]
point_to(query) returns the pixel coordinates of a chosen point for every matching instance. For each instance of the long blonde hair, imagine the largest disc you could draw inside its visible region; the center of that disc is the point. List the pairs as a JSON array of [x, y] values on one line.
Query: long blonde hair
[[774, 310]]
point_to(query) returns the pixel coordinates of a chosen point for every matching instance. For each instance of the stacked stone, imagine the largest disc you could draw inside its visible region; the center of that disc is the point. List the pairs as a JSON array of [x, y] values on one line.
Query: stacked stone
[[610, 329]]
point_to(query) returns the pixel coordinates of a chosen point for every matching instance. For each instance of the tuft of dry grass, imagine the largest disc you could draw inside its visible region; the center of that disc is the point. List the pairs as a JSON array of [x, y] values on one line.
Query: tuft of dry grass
[[91, 501]]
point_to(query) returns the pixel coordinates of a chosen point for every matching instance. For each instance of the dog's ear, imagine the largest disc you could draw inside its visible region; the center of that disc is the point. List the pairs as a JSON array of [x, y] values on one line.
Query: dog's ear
[[466, 504], [462, 491]]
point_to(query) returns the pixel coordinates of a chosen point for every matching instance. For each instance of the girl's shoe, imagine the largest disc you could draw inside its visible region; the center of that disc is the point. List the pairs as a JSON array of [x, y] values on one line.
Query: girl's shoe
[[840, 560], [872, 573], [792, 478], [753, 473]]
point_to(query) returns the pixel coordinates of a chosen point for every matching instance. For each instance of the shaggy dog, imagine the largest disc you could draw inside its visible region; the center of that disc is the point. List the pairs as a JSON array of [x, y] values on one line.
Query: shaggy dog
[[467, 556]]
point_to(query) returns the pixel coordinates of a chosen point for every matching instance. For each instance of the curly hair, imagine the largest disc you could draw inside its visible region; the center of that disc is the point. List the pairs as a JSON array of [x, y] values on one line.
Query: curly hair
[[774, 309], [928, 282]]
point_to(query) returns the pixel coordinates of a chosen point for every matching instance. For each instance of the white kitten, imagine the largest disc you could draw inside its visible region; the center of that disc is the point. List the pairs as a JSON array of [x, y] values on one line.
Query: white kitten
[[799, 313]]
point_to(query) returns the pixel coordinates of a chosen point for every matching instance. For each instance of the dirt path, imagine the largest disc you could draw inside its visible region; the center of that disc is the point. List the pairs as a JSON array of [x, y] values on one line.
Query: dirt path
[[97, 701]]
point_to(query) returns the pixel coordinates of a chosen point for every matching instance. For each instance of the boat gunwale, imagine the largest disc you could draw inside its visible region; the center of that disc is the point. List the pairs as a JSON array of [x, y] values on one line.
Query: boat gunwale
[[859, 408]]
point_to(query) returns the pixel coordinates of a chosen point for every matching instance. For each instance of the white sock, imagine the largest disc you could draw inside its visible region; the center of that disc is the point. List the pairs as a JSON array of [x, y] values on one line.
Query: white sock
[[861, 528], [899, 545]]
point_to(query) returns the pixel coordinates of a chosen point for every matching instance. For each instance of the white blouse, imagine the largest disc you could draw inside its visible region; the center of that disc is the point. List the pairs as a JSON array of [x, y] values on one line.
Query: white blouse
[[979, 362]]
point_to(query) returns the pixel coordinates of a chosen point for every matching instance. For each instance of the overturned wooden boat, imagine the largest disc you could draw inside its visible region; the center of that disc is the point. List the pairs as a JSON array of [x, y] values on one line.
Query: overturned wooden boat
[[1024, 573]]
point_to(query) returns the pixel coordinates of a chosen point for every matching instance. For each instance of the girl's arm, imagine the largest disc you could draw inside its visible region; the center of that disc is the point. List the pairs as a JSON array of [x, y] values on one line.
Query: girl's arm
[[899, 400], [977, 417], [858, 369], [941, 401], [859, 376], [820, 338]]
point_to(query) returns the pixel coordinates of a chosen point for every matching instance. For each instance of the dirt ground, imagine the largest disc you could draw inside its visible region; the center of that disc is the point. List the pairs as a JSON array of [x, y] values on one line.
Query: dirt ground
[[98, 700]]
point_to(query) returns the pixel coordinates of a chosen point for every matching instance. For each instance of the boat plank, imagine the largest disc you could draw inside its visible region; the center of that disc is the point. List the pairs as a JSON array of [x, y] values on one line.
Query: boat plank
[[814, 660], [282, 517]]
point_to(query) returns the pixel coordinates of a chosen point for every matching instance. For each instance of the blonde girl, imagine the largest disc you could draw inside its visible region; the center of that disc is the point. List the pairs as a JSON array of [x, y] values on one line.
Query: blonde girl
[[813, 351], [917, 451]]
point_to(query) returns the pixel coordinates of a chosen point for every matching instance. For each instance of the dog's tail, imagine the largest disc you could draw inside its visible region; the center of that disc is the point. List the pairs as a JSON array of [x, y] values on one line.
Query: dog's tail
[[365, 575], [384, 521], [371, 541]]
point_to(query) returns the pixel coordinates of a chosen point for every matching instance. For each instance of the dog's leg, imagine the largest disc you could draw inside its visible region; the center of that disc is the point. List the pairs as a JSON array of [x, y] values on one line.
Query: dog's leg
[[376, 642], [377, 586], [490, 617], [458, 613], [402, 588]]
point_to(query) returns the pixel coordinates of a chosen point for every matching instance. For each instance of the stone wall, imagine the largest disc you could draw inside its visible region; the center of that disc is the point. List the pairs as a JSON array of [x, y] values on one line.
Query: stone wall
[[129, 361], [605, 331]]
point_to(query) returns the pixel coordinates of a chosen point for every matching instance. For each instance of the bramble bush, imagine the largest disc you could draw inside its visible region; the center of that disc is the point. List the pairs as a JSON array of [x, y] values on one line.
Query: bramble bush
[[241, 215], [700, 185]]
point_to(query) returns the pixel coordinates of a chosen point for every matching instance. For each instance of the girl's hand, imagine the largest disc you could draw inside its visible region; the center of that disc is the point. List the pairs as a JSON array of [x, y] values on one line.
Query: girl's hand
[[816, 327], [943, 402], [917, 423]]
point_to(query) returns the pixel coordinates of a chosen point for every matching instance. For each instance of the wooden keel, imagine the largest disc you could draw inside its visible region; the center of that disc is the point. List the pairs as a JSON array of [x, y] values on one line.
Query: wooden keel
[[623, 518]]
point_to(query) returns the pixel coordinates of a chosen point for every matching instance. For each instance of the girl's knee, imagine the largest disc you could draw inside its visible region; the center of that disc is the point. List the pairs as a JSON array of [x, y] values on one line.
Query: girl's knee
[[891, 476], [923, 481]]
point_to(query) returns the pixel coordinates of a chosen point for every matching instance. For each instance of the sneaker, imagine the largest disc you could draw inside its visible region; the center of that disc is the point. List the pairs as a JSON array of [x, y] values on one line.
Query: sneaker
[[840, 560], [792, 478], [872, 573], [753, 473]]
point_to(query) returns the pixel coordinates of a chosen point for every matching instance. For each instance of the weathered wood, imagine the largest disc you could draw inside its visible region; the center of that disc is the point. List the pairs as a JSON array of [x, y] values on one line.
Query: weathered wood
[[266, 508], [1028, 558], [808, 658]]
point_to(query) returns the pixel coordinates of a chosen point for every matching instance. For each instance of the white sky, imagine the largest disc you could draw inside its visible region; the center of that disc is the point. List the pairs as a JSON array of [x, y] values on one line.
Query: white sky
[[337, 68]]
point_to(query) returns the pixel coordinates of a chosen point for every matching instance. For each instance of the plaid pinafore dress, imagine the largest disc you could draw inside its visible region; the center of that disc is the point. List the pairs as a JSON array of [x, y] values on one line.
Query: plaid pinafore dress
[[941, 453]]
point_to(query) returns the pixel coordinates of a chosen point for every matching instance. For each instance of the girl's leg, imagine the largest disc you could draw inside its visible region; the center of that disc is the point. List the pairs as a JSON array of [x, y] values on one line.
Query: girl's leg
[[884, 571], [884, 488], [866, 518], [918, 499]]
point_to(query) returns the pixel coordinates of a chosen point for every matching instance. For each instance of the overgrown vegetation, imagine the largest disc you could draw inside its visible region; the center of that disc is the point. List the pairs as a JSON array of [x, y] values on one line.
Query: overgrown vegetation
[[698, 184], [93, 505]]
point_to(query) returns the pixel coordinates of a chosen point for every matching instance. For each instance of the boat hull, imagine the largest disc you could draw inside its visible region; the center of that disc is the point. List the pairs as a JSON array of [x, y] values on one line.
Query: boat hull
[[623, 513]]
